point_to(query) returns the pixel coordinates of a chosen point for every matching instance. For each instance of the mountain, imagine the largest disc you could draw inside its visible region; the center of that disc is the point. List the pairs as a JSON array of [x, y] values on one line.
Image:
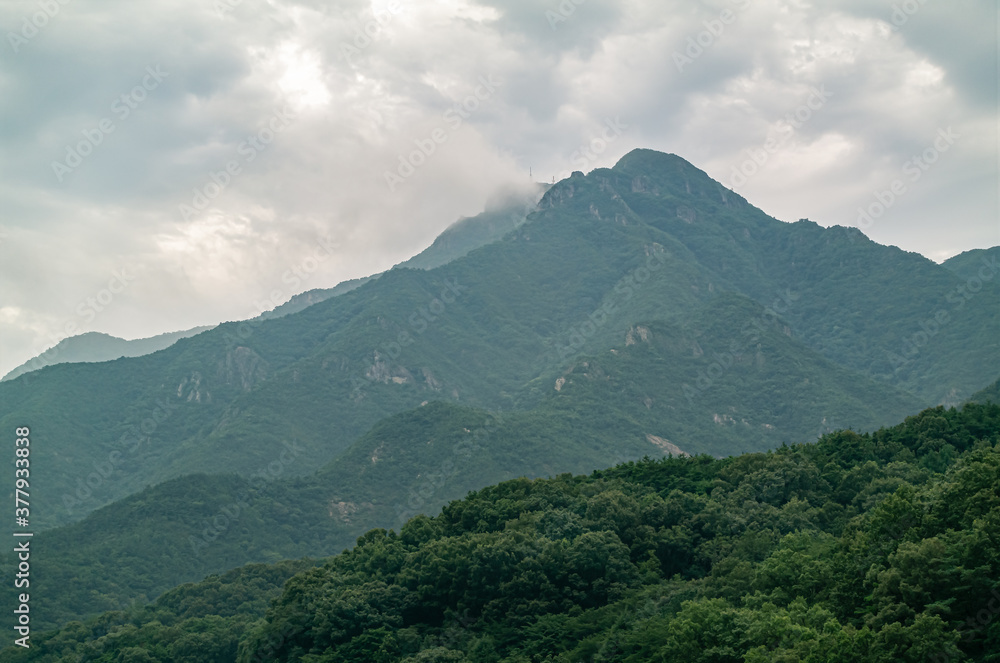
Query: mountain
[[859, 547], [990, 394], [96, 346], [306, 299], [638, 310], [503, 214], [602, 410], [652, 241], [975, 264]]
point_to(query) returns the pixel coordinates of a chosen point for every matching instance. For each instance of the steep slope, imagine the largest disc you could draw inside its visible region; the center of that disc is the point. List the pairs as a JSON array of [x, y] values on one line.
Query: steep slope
[[651, 240], [95, 347], [891, 315], [728, 379]]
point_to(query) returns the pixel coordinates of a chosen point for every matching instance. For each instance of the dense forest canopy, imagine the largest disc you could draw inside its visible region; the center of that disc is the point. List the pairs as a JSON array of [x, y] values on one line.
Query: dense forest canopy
[[859, 547]]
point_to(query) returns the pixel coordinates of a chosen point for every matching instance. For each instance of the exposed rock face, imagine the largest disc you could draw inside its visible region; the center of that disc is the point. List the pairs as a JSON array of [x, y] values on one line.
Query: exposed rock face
[[640, 331], [342, 510], [243, 367], [190, 389], [381, 371], [666, 445]]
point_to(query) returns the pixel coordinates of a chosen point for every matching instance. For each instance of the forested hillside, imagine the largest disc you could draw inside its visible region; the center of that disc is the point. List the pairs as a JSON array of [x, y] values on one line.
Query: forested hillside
[[860, 547], [990, 394], [605, 409], [639, 310], [652, 242]]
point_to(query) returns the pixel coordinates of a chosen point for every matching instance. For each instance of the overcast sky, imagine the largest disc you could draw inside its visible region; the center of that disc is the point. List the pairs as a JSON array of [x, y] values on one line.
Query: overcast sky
[[118, 120]]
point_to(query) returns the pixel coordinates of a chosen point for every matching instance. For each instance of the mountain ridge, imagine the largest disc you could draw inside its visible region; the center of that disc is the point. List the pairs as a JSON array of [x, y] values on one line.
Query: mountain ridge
[[92, 347], [518, 302]]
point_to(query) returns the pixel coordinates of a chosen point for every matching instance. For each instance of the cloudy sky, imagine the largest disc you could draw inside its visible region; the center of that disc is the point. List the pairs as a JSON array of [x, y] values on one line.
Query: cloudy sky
[[119, 120]]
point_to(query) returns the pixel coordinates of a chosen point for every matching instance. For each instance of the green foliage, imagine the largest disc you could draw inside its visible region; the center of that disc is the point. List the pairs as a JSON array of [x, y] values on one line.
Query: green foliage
[[854, 548], [192, 623], [990, 394], [972, 264]]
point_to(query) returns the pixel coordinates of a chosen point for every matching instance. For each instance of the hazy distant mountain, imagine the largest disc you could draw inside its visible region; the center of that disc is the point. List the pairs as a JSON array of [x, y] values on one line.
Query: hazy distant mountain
[[96, 346], [503, 214], [306, 299]]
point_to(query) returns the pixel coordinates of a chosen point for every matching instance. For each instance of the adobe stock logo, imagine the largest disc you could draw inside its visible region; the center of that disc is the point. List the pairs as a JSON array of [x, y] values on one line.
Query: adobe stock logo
[[427, 146], [226, 6], [87, 309], [578, 335], [122, 107], [914, 168], [30, 28], [590, 152], [365, 35], [786, 129], [566, 9], [218, 180], [714, 29], [902, 12], [912, 344]]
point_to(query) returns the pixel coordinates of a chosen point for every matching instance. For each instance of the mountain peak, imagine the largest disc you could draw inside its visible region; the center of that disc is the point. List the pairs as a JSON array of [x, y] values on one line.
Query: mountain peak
[[664, 169], [663, 176], [645, 158]]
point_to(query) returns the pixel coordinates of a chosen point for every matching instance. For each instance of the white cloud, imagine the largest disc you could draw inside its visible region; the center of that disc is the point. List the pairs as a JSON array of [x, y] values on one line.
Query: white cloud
[[361, 99]]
